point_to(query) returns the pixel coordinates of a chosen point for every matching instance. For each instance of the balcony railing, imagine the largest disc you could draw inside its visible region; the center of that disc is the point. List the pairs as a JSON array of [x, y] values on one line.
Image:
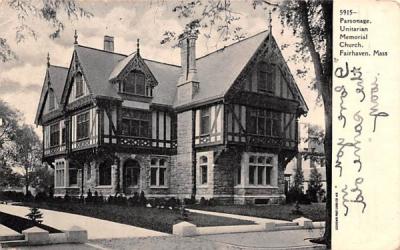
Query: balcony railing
[[54, 150], [140, 142]]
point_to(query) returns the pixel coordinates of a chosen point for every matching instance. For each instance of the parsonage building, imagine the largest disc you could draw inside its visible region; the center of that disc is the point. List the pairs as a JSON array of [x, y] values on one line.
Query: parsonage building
[[220, 126]]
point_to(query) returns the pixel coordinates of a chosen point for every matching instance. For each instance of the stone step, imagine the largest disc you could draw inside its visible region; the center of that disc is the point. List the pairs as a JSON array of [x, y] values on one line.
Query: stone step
[[13, 243], [286, 224]]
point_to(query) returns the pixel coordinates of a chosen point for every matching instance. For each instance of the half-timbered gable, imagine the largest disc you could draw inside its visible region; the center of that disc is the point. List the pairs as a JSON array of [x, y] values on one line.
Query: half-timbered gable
[[220, 126]]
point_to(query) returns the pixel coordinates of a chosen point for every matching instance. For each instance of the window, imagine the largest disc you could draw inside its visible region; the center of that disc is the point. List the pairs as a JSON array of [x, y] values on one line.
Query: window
[[82, 126], [205, 121], [260, 168], [158, 172], [73, 175], [266, 74], [52, 100], [203, 170], [105, 173], [238, 175], [132, 173], [78, 85], [134, 83], [136, 123], [59, 174], [264, 122], [54, 135], [63, 131]]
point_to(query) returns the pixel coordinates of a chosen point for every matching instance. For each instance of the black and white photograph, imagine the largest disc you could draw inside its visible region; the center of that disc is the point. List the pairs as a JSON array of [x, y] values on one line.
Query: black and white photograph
[[176, 124]]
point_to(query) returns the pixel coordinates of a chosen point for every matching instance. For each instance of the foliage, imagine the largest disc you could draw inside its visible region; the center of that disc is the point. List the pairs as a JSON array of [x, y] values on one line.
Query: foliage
[[42, 178], [49, 11], [9, 119], [315, 184], [35, 215], [298, 180]]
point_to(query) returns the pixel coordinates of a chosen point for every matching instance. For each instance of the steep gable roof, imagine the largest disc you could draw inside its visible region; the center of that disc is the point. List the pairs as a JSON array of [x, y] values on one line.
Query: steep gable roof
[[57, 76], [97, 66], [218, 70]]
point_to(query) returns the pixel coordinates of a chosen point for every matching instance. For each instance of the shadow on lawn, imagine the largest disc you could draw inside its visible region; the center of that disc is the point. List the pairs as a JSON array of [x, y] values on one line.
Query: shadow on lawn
[[20, 224]]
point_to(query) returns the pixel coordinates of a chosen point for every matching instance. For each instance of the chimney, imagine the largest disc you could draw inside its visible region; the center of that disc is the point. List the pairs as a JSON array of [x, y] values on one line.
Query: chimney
[[188, 59], [109, 43]]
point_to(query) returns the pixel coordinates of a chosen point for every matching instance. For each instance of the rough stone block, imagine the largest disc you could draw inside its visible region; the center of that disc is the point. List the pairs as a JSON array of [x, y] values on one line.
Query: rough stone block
[[76, 235], [36, 236], [184, 229], [304, 222]]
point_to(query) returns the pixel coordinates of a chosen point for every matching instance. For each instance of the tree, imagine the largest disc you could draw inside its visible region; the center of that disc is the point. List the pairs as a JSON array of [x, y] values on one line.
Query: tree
[[49, 11], [315, 184], [9, 119], [298, 183], [42, 178], [28, 152], [309, 20]]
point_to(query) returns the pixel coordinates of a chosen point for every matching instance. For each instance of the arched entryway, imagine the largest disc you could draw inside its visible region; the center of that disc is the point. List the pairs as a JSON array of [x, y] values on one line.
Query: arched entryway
[[131, 174]]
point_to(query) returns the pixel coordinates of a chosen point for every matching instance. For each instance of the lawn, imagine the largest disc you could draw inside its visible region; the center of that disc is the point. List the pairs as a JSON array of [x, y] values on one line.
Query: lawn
[[19, 224], [150, 218], [314, 211]]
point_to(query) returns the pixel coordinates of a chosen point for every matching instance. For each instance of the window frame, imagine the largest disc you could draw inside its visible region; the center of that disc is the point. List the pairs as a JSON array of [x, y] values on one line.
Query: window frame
[[205, 115], [79, 88], [260, 171], [54, 135], [131, 82], [132, 171], [267, 119], [105, 171], [79, 130], [136, 116], [265, 77], [156, 168], [203, 168], [52, 100]]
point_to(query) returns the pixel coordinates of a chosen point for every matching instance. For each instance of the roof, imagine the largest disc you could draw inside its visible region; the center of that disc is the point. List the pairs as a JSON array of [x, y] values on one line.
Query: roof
[[218, 70], [97, 66], [57, 76]]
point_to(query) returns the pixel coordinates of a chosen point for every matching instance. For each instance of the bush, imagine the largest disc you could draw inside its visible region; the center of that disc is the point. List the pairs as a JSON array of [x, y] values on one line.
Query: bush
[[12, 195], [41, 196], [142, 199], [35, 215], [134, 200], [173, 203]]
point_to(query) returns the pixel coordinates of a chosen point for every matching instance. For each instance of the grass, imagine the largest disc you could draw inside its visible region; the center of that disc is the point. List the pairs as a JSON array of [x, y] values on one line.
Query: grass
[[150, 218], [19, 224], [314, 211]]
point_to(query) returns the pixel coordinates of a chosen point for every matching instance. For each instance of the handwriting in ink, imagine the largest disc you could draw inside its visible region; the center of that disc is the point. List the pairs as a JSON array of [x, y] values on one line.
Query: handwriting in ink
[[343, 94], [374, 111], [340, 153], [357, 76], [358, 130], [345, 200], [342, 73], [359, 196]]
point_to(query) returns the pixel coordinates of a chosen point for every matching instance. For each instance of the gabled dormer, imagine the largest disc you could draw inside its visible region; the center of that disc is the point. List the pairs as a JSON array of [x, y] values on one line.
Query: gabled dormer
[[133, 78], [49, 103]]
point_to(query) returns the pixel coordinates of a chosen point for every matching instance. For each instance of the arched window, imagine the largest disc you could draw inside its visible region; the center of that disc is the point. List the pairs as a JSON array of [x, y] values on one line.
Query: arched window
[[203, 170], [132, 173], [105, 173], [134, 83], [78, 85]]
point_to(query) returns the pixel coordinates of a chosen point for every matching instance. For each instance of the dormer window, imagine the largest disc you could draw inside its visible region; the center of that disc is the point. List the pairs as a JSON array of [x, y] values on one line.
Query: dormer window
[[134, 83], [52, 100], [265, 83], [78, 85]]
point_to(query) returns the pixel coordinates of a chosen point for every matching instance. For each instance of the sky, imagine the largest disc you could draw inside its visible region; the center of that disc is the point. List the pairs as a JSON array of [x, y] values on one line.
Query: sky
[[21, 80]]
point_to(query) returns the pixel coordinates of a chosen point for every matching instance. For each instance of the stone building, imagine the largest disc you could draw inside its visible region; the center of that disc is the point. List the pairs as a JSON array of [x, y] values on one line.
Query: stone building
[[219, 126]]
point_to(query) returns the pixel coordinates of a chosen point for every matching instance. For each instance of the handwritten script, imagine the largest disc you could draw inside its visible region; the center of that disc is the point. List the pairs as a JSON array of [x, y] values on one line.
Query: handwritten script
[[356, 121]]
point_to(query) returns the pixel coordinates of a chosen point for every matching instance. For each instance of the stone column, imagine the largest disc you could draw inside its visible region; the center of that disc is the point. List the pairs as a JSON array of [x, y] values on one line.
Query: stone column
[[114, 177]]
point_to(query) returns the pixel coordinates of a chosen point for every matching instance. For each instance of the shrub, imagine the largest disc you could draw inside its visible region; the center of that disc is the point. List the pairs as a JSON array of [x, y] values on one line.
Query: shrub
[[35, 215], [41, 196], [142, 199], [203, 202], [173, 203], [134, 200]]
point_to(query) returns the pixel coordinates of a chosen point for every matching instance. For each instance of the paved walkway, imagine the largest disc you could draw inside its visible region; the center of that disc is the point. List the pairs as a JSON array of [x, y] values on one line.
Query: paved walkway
[[96, 228], [240, 217]]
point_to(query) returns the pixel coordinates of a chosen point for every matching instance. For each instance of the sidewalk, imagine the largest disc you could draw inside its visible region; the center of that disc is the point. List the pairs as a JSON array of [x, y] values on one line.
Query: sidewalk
[[257, 220], [96, 228]]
